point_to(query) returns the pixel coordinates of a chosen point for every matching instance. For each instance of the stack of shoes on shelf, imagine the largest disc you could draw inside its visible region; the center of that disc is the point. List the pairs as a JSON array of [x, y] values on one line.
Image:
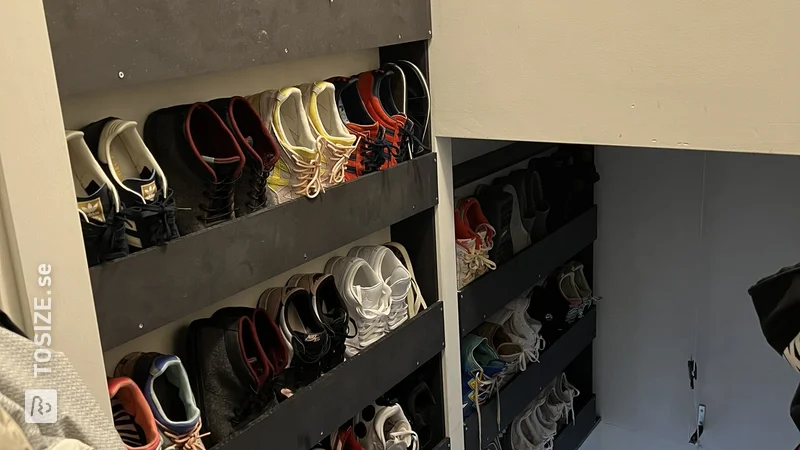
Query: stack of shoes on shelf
[[537, 426], [565, 297], [514, 336], [474, 241], [482, 369], [229, 157], [414, 395]]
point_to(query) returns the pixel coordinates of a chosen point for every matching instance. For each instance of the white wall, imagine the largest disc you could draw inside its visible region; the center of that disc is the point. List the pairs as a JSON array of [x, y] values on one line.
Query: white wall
[[663, 279]]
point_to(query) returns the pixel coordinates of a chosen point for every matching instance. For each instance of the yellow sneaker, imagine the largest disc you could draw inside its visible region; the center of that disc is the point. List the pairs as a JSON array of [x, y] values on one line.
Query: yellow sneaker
[[338, 143]]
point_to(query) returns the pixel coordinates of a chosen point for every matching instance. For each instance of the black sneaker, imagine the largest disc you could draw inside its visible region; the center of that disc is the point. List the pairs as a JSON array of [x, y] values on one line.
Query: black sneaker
[[331, 310], [202, 158], [229, 373], [303, 332], [149, 208], [417, 105], [98, 204], [557, 304], [498, 207], [419, 404], [519, 231], [259, 147]]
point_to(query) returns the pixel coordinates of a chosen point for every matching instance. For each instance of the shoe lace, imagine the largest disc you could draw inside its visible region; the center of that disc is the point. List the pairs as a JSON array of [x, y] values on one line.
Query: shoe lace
[[308, 172], [477, 263], [398, 436], [254, 404], [186, 441], [155, 217], [307, 356], [258, 185], [482, 391], [220, 205], [372, 152], [409, 141], [105, 236], [341, 154]]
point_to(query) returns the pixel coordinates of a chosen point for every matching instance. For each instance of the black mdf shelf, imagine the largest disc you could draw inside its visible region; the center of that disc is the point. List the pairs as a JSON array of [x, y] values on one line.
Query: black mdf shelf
[[317, 410], [444, 444], [487, 294], [520, 392], [497, 160], [575, 434], [102, 44], [151, 288]]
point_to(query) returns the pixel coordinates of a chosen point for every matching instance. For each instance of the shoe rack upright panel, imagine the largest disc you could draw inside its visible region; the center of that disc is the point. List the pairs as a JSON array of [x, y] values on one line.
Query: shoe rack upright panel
[[45, 281]]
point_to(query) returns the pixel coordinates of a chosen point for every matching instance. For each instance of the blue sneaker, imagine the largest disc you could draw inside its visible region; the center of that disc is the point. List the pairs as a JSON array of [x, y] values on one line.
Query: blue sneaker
[[165, 385]]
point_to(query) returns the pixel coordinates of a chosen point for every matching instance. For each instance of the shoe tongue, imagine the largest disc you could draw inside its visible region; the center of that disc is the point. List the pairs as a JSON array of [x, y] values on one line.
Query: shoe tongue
[[97, 205], [371, 295], [225, 168], [146, 185], [399, 281]]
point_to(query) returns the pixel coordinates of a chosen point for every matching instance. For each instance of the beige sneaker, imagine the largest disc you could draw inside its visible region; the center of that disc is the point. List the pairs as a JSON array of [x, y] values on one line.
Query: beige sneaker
[[338, 143], [297, 172]]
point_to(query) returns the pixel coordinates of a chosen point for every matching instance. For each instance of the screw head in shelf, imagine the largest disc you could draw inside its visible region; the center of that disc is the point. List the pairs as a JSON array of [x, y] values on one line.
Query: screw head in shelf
[[399, 36], [286, 50], [121, 74], [429, 33], [417, 362], [141, 325], [305, 256], [413, 206]]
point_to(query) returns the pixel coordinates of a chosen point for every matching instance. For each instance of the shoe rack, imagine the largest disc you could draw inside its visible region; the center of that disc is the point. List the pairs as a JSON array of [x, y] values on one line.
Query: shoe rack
[[127, 60], [571, 352]]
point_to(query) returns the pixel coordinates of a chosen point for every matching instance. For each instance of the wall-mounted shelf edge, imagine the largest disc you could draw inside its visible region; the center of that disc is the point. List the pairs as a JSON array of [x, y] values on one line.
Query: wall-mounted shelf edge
[[102, 44], [497, 160], [519, 393], [314, 412], [481, 298], [151, 288], [444, 444]]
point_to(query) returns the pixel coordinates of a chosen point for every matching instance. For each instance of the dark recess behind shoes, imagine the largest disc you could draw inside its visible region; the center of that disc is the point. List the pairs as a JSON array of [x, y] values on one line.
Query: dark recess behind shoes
[[497, 160]]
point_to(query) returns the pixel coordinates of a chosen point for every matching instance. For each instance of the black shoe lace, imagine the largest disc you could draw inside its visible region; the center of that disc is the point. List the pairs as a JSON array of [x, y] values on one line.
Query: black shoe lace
[[372, 153], [409, 142], [258, 186], [220, 204], [255, 404], [155, 219], [106, 240]]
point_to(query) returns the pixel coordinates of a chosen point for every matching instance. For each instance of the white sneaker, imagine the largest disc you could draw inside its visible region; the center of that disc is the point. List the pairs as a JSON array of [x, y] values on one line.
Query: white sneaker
[[390, 430], [539, 430], [319, 100], [415, 301], [565, 393], [297, 172], [367, 297], [394, 274], [518, 439]]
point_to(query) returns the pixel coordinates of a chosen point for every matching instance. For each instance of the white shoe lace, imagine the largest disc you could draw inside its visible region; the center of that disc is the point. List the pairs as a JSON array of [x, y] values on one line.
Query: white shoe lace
[[482, 391], [187, 441], [415, 301], [398, 436], [341, 155], [477, 264], [308, 173]]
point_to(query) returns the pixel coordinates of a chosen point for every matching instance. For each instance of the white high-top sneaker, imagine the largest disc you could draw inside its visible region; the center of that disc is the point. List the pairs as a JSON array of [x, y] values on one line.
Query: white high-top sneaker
[[367, 297], [297, 172], [394, 274], [518, 439], [390, 431], [337, 142], [565, 393], [540, 430]]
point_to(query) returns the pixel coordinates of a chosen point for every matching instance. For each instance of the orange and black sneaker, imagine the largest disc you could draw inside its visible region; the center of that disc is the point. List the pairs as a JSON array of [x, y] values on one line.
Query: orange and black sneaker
[[398, 127], [373, 148]]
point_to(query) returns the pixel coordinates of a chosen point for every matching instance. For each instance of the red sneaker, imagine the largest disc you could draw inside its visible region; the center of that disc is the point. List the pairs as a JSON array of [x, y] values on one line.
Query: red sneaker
[[369, 86], [133, 418], [474, 239], [345, 439]]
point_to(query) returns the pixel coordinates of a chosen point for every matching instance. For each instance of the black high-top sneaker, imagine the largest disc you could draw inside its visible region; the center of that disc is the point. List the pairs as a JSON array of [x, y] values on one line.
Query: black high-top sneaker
[[229, 372], [149, 207], [202, 158], [303, 332], [98, 204], [498, 207], [260, 148], [557, 304], [331, 310]]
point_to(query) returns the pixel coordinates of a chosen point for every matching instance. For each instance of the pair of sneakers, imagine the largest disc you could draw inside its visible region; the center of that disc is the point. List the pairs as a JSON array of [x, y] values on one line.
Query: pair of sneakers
[[565, 297], [124, 202], [218, 155], [481, 372], [376, 287], [152, 403], [514, 336], [235, 360], [530, 203], [536, 427], [474, 240], [314, 324]]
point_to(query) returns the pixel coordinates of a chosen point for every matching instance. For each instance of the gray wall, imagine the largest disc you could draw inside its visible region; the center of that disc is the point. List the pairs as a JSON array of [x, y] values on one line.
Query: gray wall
[[667, 284]]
